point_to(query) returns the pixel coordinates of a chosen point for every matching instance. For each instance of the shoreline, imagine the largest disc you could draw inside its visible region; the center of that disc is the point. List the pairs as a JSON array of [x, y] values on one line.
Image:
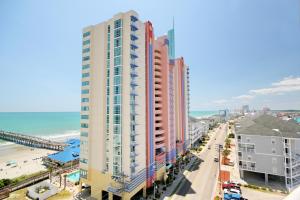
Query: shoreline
[[26, 159], [57, 138]]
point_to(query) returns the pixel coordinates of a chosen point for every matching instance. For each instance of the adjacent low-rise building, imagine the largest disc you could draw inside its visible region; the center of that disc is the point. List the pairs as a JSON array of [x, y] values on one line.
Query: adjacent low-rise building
[[271, 146], [197, 129]]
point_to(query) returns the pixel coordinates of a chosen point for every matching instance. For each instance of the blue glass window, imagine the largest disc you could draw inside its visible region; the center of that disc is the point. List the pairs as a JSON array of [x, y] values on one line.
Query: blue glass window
[[84, 134], [117, 80], [84, 117], [86, 66], [117, 60], [86, 34], [84, 75], [85, 91], [117, 33], [117, 51], [85, 99], [117, 109], [117, 89], [84, 125], [118, 42], [117, 119], [117, 99], [84, 108], [85, 42], [117, 70], [86, 50], [86, 58], [85, 83], [117, 23]]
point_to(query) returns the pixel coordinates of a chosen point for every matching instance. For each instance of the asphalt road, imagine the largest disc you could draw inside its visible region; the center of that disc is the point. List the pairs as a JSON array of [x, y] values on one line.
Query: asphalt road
[[199, 182]]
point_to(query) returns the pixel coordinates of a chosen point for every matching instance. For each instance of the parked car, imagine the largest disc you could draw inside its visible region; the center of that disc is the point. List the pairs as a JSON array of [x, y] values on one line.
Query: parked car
[[216, 159], [209, 147], [237, 191], [227, 185], [232, 196], [226, 191]]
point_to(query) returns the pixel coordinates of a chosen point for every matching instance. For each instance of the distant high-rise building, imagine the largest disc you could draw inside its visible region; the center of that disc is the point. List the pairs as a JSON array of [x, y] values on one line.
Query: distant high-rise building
[[245, 109], [134, 107]]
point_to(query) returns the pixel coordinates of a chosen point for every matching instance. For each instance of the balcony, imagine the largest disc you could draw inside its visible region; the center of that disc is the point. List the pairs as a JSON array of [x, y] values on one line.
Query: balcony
[[157, 74], [159, 132], [159, 145], [158, 118], [158, 105], [158, 112], [133, 123], [133, 112], [247, 168], [133, 154], [156, 62], [160, 138], [133, 18], [133, 55], [158, 99], [158, 124], [133, 74], [133, 103], [133, 93], [160, 157], [133, 37], [133, 27], [158, 92], [158, 86], [133, 164], [133, 84], [133, 143], [133, 65], [133, 45]]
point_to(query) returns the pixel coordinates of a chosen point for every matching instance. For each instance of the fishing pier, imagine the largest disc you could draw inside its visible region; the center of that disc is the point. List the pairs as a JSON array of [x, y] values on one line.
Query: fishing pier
[[32, 141]]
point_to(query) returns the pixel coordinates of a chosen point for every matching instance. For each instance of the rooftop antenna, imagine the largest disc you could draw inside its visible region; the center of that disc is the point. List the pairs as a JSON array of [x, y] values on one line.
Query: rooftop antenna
[[173, 22]]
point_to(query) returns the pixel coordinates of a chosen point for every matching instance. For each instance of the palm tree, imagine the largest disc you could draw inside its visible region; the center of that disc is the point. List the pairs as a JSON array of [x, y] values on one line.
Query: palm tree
[[226, 152]]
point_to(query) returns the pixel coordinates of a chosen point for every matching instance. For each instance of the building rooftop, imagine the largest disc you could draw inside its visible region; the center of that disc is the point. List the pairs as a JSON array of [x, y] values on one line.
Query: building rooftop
[[70, 152], [267, 125]]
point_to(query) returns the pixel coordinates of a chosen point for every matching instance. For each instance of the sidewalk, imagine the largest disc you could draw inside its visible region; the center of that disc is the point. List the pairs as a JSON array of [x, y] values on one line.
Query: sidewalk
[[176, 183]]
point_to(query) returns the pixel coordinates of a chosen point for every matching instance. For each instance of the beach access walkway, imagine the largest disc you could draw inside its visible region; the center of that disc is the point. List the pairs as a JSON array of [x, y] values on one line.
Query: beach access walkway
[[32, 141], [5, 191]]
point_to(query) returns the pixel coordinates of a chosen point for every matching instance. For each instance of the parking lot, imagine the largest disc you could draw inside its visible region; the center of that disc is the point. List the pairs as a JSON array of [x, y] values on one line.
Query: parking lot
[[252, 194]]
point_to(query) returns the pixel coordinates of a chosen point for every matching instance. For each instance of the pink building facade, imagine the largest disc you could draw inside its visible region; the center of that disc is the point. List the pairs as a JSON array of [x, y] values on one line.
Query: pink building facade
[[166, 104]]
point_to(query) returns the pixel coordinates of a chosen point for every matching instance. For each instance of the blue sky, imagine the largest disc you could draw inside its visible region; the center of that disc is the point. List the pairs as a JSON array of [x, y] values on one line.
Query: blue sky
[[239, 51]]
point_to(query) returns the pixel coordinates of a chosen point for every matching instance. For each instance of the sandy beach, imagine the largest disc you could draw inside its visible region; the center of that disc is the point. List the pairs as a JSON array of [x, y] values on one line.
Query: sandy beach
[[24, 159]]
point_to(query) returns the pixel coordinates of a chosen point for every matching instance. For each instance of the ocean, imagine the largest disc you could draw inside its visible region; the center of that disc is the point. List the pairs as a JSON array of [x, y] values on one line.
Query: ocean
[[53, 124], [42, 124], [201, 114]]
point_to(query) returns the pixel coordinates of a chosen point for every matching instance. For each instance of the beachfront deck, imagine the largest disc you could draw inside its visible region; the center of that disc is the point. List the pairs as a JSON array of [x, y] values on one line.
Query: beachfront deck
[[32, 141]]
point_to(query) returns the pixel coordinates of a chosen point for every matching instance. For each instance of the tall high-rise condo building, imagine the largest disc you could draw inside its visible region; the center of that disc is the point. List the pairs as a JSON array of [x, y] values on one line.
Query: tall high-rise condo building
[[134, 107]]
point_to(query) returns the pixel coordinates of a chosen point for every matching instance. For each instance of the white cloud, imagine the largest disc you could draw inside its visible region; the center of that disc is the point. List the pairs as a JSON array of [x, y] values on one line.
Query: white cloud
[[288, 84], [244, 97]]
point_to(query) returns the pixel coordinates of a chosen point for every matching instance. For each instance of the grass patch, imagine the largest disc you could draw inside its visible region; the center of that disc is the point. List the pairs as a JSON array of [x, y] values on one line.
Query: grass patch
[[5, 182], [19, 194], [62, 195]]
